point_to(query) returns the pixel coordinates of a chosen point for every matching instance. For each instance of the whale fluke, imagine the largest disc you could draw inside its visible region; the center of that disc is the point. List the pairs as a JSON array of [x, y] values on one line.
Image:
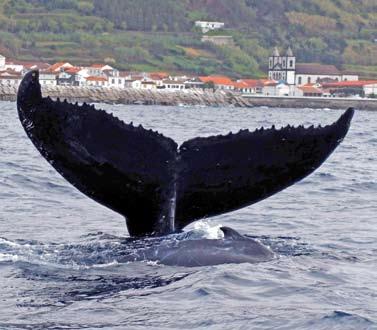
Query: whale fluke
[[157, 186]]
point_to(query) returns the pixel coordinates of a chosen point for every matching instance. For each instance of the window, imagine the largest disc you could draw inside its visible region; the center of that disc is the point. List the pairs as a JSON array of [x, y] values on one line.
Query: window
[[309, 80], [270, 63], [299, 80], [291, 63], [113, 81]]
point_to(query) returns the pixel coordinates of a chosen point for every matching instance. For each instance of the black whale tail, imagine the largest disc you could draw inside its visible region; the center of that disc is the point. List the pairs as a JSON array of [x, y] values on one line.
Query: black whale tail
[[156, 186]]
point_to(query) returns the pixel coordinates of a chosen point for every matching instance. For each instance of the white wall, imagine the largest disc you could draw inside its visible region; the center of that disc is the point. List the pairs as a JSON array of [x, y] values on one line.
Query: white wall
[[2, 62], [370, 89], [207, 26], [9, 82], [313, 78], [350, 77]]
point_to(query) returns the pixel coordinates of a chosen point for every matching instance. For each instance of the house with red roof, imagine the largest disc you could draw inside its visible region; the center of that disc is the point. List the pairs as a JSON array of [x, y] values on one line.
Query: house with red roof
[[219, 82], [98, 69], [59, 66], [349, 88], [48, 78], [25, 66], [10, 78], [275, 88], [96, 81], [173, 84], [132, 83], [72, 76], [251, 86], [310, 90]]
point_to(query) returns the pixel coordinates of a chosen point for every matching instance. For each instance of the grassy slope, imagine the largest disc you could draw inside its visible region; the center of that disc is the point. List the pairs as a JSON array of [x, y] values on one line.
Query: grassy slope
[[329, 31]]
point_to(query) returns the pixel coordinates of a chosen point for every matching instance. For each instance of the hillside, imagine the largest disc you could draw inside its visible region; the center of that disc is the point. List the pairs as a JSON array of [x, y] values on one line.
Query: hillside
[[159, 34]]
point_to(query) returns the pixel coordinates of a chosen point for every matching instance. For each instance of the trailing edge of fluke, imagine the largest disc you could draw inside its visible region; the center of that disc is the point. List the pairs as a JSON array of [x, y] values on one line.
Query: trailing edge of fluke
[[158, 187]]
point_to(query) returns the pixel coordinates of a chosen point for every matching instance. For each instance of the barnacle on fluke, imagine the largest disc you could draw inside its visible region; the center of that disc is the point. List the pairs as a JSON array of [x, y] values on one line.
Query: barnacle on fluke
[[161, 188]]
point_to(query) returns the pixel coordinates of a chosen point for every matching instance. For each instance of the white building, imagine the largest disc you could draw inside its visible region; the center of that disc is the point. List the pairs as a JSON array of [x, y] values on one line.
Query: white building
[[350, 77], [101, 69], [132, 83], [96, 81], [116, 82], [47, 78], [282, 68], [60, 66], [148, 84], [10, 78], [174, 85], [370, 88], [2, 62], [208, 26], [309, 73], [274, 88]]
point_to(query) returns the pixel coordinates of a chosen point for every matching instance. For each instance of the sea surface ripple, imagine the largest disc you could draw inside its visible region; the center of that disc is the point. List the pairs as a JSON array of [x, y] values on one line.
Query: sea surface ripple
[[61, 253]]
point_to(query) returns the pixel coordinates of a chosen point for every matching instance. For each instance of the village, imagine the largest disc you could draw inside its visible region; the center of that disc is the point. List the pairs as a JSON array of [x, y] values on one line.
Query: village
[[286, 78]]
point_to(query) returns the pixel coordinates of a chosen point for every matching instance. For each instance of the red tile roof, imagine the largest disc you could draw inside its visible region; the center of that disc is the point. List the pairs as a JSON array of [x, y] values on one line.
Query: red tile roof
[[217, 80], [94, 78], [56, 66], [97, 66], [252, 83], [308, 89], [270, 82], [73, 70], [10, 72], [240, 84], [351, 83], [28, 64], [158, 75]]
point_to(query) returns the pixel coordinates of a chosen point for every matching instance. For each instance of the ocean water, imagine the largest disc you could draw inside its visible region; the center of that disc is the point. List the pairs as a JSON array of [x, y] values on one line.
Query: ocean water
[[61, 253]]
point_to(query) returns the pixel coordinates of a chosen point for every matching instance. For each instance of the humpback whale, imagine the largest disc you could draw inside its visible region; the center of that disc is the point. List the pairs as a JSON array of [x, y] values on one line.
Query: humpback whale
[[194, 252], [157, 186]]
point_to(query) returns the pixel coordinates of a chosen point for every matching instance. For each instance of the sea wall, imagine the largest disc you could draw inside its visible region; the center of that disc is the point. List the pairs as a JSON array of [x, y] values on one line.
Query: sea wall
[[187, 97], [312, 102]]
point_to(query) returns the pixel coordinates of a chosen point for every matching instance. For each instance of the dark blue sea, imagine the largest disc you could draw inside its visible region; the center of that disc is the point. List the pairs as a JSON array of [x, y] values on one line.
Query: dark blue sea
[[61, 253]]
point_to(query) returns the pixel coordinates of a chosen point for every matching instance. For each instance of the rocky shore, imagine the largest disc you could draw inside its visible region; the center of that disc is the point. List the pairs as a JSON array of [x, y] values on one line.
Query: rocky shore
[[188, 97]]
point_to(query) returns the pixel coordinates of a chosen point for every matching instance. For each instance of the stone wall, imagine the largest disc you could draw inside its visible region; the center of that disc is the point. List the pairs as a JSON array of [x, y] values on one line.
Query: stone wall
[[188, 97]]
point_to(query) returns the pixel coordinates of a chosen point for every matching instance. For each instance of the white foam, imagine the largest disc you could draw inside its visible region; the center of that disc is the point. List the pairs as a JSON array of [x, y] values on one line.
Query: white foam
[[8, 257], [207, 230], [9, 243]]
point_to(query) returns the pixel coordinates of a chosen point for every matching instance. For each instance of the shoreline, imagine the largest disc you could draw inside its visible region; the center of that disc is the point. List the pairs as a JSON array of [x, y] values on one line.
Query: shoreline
[[189, 98]]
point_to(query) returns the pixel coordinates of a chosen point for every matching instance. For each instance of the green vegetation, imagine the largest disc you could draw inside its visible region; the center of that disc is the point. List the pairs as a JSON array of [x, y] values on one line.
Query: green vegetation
[[159, 34]]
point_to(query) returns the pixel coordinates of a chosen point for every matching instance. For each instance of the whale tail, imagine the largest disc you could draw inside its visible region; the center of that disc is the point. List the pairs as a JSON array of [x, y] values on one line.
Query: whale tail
[[161, 188]]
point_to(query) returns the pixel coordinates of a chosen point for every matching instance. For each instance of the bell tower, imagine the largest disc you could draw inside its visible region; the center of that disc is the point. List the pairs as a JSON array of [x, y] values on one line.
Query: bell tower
[[290, 67], [282, 68]]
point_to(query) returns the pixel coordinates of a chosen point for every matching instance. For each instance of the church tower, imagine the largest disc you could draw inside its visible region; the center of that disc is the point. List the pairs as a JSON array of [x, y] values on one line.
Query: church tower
[[282, 68]]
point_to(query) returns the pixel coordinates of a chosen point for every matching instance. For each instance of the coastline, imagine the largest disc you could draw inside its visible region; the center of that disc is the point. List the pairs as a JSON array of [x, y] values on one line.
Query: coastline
[[190, 98]]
